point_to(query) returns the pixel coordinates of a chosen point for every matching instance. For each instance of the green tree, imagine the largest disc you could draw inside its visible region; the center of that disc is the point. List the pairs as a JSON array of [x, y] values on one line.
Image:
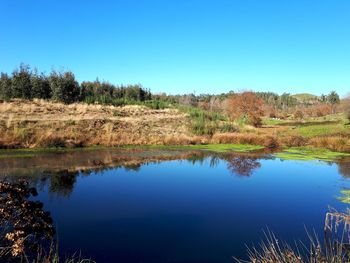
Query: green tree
[[21, 85], [323, 98], [333, 99], [5, 87], [64, 87], [40, 86]]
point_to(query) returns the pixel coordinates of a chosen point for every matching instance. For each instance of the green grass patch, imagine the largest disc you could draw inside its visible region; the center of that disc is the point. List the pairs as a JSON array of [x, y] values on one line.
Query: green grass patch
[[310, 153], [207, 147], [206, 122], [268, 121], [318, 130], [345, 198]]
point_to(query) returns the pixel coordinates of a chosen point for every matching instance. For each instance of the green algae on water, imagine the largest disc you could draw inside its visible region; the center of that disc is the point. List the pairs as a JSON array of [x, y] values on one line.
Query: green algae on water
[[209, 147], [346, 196], [309, 154]]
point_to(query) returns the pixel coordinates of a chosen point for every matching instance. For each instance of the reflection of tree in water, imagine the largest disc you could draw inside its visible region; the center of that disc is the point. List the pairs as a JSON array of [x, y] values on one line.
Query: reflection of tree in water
[[344, 167], [24, 226], [62, 182], [242, 165]]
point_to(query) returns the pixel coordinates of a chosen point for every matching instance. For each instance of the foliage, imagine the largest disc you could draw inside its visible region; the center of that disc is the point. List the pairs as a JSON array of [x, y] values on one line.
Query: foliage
[[23, 221], [246, 104], [333, 98], [40, 86], [207, 123], [298, 114], [20, 84], [5, 86], [63, 87]]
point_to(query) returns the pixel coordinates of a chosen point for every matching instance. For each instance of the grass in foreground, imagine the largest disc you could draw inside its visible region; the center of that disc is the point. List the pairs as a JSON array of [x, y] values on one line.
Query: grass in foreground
[[310, 153], [333, 248]]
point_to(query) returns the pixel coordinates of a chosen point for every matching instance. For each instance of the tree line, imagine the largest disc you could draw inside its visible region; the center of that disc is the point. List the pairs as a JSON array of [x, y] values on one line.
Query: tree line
[[62, 86]]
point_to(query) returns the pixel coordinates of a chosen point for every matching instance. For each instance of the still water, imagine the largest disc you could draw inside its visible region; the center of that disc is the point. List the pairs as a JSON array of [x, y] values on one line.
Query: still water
[[176, 206]]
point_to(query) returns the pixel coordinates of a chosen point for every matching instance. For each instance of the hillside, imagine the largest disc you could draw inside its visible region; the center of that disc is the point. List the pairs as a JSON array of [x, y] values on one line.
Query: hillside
[[301, 97], [45, 124]]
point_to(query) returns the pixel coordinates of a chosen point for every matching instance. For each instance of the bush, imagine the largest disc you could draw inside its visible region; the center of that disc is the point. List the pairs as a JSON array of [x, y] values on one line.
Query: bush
[[254, 120], [21, 86], [5, 87], [271, 142], [295, 141], [64, 87], [204, 122], [298, 114]]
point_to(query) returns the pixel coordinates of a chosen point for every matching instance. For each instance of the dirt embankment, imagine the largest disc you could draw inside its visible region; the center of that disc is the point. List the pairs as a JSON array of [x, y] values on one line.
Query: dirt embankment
[[30, 124]]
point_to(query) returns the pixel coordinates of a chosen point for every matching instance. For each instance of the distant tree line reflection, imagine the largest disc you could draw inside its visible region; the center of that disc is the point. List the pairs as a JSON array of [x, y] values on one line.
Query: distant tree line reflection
[[62, 178]]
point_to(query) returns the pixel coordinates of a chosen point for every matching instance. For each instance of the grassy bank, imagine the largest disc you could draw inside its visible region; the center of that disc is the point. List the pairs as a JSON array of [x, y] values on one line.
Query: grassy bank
[[42, 124]]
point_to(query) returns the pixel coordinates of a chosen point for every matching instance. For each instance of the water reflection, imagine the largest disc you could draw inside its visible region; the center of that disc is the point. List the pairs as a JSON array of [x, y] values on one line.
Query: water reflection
[[24, 226], [178, 204], [344, 167], [59, 172], [243, 165]]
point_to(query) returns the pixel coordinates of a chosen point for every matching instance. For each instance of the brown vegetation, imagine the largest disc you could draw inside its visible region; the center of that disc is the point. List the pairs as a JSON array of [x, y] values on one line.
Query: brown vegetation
[[25, 124], [248, 105], [41, 124]]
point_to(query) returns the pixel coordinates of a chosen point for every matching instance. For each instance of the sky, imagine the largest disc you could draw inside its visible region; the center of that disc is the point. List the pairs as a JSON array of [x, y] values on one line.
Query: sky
[[185, 46]]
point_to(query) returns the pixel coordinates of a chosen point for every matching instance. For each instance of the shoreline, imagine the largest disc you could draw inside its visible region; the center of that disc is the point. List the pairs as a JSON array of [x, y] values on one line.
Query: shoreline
[[305, 153]]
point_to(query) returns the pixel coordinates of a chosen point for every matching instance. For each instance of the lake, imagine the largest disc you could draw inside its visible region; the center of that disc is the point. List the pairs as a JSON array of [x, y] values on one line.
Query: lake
[[175, 205]]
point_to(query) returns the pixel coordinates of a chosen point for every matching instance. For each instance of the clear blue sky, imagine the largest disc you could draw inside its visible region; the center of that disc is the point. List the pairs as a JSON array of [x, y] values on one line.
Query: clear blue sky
[[181, 46]]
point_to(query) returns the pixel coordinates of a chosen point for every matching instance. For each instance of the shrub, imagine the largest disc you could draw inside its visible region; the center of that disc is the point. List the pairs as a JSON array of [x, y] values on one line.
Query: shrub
[[271, 142], [183, 140], [254, 120], [228, 127], [64, 87], [21, 86], [298, 114], [5, 86], [237, 138], [295, 141], [245, 104], [333, 143]]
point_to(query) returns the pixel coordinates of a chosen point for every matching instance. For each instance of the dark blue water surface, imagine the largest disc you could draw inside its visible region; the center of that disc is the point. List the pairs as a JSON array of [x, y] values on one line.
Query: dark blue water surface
[[190, 209]]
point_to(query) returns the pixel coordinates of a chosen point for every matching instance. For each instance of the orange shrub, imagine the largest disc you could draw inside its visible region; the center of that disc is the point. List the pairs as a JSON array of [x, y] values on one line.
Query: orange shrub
[[246, 104]]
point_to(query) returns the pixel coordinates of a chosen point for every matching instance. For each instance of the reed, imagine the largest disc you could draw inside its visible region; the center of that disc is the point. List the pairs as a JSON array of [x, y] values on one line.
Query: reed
[[333, 249]]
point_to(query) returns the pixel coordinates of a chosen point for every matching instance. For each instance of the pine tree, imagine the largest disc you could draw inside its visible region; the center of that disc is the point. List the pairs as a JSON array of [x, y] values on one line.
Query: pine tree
[[21, 85], [64, 87]]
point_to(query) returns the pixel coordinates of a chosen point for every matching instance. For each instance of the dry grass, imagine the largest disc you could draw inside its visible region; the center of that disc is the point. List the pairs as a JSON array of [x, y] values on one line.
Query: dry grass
[[334, 143], [38, 123], [334, 248], [246, 138], [184, 140], [44, 124]]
